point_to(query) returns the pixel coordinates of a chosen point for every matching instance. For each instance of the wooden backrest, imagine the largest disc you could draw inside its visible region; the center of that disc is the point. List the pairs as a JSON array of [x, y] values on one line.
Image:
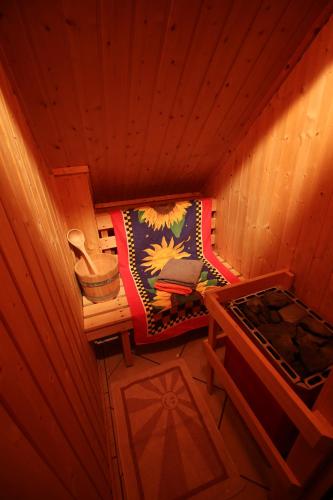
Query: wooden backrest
[[105, 229], [78, 211]]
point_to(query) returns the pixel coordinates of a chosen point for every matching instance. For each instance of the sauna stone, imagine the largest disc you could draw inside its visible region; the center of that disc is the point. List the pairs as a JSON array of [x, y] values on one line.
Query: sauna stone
[[255, 305], [315, 327], [314, 357], [301, 340], [256, 311], [281, 337], [301, 332], [264, 317], [276, 300], [284, 345], [271, 330], [292, 313], [275, 316], [250, 315]]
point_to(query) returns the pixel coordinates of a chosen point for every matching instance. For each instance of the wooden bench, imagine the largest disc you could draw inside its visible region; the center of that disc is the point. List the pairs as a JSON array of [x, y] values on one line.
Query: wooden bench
[[114, 316], [104, 320]]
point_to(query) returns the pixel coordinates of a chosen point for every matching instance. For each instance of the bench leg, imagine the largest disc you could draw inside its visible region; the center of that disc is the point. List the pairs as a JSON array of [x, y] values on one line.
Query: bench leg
[[126, 348]]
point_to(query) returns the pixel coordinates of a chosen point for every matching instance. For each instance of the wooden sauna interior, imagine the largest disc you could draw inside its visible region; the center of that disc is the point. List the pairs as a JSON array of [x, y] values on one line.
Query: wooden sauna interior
[[229, 98]]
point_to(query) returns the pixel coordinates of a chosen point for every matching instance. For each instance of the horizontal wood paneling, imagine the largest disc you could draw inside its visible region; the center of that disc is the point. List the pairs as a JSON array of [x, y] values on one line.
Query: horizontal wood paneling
[[275, 193], [151, 94], [52, 434]]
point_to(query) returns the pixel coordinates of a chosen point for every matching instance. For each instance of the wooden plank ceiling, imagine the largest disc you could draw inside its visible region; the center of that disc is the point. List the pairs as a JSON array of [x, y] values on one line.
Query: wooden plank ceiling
[[151, 94]]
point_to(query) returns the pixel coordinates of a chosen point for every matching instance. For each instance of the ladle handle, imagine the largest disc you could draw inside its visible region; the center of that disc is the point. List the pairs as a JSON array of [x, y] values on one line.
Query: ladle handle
[[77, 239], [89, 261]]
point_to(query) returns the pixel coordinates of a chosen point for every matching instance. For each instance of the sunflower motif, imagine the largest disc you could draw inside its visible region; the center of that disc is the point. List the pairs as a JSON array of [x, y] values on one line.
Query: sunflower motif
[[170, 215], [162, 300], [205, 286], [159, 255], [201, 287]]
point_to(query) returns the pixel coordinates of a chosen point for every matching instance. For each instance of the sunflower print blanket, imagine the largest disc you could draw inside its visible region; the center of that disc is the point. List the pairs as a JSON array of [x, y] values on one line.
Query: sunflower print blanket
[[147, 237]]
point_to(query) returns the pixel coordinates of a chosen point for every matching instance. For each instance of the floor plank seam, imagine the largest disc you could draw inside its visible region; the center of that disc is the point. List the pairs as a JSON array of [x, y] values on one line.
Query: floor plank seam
[[203, 381], [223, 410], [119, 467], [110, 435], [180, 354], [147, 359], [199, 379], [121, 479], [109, 397], [115, 458], [183, 348], [108, 375], [253, 481]]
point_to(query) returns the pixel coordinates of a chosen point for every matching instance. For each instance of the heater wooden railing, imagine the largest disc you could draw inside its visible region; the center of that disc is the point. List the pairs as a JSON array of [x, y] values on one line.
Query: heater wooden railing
[[315, 425]]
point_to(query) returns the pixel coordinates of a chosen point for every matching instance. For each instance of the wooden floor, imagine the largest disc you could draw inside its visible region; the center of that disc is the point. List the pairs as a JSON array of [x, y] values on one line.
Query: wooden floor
[[251, 464]]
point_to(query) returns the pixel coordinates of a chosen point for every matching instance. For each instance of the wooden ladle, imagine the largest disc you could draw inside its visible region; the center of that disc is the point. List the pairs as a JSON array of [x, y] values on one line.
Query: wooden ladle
[[77, 239]]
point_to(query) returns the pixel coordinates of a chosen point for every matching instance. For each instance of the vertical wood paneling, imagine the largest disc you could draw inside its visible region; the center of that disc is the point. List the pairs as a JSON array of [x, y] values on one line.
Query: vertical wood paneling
[[275, 194], [17, 449], [49, 382], [46, 34], [151, 94], [76, 207]]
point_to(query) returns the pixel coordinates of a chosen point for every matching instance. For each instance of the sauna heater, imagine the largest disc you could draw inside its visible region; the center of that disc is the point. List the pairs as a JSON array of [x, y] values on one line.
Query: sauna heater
[[297, 341]]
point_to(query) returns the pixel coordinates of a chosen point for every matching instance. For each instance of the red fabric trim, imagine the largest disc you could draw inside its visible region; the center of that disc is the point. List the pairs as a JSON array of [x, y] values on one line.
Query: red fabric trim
[[206, 241], [175, 330], [173, 288], [134, 300]]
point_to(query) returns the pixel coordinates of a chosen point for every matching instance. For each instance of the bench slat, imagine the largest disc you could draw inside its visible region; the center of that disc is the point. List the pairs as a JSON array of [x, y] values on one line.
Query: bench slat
[[108, 243], [107, 318], [103, 307], [103, 220], [108, 331]]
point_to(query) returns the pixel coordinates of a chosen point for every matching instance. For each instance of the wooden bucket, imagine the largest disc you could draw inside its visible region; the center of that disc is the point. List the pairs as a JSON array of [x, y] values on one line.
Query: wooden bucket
[[104, 285]]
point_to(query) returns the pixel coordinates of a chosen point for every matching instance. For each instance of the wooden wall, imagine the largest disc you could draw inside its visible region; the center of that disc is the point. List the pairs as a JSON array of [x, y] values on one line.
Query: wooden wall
[[51, 429], [151, 94], [275, 192]]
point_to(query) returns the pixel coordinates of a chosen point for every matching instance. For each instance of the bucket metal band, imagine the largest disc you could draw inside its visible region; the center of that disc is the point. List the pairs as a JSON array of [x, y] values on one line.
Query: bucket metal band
[[103, 298], [99, 283]]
